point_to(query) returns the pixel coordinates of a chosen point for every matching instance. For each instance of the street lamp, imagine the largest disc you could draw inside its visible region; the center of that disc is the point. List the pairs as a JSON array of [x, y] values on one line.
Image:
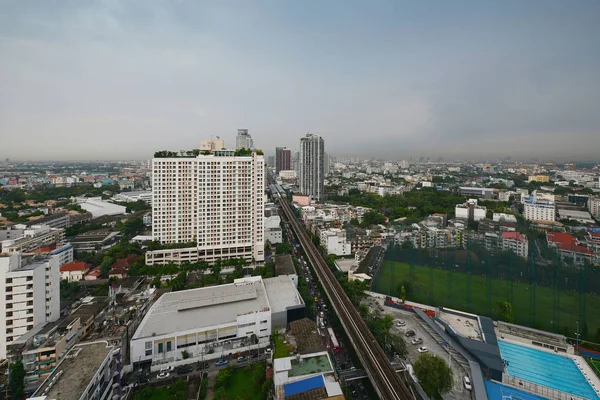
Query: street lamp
[[577, 335]]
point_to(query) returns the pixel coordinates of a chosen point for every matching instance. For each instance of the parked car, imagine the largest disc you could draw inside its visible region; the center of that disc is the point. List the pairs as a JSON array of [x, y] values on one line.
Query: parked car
[[400, 323], [167, 369], [162, 375], [242, 358], [423, 349], [220, 363], [467, 383], [410, 333], [416, 341]]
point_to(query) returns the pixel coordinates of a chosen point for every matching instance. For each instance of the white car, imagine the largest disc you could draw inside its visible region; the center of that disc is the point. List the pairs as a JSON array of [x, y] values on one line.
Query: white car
[[162, 375], [400, 323], [467, 383], [422, 349], [416, 341]]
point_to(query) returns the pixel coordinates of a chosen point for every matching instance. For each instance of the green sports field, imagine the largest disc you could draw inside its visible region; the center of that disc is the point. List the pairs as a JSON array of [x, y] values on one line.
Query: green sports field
[[391, 274]]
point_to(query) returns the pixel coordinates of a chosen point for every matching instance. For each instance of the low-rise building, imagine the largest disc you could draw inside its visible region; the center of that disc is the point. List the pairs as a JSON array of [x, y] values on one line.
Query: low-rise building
[[594, 206], [539, 210], [210, 322], [74, 271], [515, 242], [128, 197], [99, 207], [569, 248], [538, 178], [334, 241], [26, 239], [99, 239], [88, 371], [470, 210]]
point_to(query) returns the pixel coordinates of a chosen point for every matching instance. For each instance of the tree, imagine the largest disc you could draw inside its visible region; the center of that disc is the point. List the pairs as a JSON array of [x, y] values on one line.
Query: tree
[[105, 266], [506, 311], [185, 355], [283, 248], [16, 385], [403, 293], [434, 375]]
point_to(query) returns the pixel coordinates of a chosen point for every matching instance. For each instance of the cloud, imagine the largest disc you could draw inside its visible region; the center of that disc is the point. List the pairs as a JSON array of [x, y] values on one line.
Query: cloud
[[113, 79]]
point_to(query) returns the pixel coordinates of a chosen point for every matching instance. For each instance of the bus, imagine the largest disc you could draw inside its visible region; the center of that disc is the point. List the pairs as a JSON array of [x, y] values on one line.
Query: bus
[[335, 346]]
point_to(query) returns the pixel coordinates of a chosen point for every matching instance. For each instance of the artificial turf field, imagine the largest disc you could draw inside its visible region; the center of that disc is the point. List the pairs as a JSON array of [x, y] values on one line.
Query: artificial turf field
[[391, 274]]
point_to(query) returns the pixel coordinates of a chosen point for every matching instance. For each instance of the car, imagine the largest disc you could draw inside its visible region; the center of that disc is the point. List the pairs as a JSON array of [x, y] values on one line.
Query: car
[[162, 375], [400, 323], [422, 349], [242, 358], [410, 333], [416, 341], [467, 383], [220, 363], [184, 369], [167, 369]]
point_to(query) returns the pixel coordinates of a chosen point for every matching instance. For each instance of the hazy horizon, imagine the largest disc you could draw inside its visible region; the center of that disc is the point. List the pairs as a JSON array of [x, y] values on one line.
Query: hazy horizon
[[113, 80]]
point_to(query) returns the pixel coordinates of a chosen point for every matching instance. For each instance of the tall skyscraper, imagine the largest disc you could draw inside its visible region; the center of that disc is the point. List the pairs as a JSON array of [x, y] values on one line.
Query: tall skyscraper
[[216, 200], [243, 140], [30, 293], [283, 159], [312, 166]]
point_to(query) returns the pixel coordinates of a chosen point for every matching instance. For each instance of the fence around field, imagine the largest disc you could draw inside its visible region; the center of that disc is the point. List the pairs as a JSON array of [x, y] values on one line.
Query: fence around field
[[549, 296]]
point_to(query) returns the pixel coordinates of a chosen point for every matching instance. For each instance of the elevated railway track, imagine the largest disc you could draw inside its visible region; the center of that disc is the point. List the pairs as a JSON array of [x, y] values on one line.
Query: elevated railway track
[[388, 384]]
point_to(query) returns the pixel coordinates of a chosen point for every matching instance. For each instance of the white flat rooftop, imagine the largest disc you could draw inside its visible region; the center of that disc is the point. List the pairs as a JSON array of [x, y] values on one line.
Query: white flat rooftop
[[282, 293], [195, 308]]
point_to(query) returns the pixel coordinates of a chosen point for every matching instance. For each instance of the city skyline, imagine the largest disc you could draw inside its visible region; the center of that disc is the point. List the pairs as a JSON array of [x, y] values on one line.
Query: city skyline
[[111, 80]]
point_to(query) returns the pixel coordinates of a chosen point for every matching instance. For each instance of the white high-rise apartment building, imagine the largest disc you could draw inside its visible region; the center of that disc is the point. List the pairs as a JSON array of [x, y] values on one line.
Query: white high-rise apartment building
[[312, 166], [216, 200], [30, 293], [243, 140]]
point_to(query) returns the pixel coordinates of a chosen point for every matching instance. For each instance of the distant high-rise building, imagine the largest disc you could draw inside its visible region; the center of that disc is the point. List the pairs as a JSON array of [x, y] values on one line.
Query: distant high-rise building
[[326, 164], [243, 140], [283, 159], [296, 162], [30, 290], [312, 166], [212, 144], [271, 161], [215, 200]]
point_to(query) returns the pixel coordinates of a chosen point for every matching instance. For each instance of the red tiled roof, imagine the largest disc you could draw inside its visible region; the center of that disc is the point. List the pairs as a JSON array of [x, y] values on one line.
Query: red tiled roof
[[118, 271], [94, 272], [45, 249], [75, 266], [513, 235], [126, 262], [567, 242]]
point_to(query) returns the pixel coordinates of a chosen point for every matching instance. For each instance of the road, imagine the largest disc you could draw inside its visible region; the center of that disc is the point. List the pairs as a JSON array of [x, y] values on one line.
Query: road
[[386, 382]]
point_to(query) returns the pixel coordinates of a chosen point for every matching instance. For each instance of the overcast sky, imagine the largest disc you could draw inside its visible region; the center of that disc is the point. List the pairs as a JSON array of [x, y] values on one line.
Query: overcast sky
[[121, 79]]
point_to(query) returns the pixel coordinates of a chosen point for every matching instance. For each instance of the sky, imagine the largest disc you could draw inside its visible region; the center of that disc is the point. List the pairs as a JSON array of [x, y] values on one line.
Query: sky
[[389, 79]]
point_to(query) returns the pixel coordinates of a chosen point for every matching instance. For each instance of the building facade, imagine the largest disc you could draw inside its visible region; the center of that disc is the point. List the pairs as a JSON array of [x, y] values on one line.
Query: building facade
[[215, 201], [30, 293], [594, 206], [89, 371], [539, 210], [283, 159], [243, 140], [312, 166]]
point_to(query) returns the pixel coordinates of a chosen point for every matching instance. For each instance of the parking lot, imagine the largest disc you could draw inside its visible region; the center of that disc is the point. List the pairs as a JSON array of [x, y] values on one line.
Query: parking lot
[[412, 323]]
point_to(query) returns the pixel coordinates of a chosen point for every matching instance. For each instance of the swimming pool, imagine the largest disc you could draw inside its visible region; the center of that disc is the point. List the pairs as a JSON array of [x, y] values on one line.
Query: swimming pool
[[547, 369]]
